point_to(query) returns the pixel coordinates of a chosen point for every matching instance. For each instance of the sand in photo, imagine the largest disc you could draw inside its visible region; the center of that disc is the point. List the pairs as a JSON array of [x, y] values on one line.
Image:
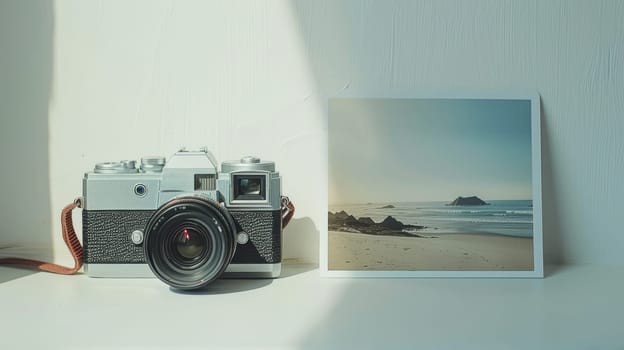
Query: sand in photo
[[447, 252]]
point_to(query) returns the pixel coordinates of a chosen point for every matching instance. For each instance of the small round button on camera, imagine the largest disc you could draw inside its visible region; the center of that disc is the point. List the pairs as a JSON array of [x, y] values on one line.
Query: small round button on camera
[[140, 190], [153, 160], [128, 164], [250, 160], [242, 237], [137, 237]]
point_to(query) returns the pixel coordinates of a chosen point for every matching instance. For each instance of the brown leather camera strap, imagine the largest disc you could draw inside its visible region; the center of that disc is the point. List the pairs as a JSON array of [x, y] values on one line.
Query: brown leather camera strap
[[75, 248], [69, 236], [288, 210]]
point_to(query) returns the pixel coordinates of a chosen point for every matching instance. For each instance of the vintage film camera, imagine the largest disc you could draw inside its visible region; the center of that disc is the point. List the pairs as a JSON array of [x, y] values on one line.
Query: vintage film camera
[[182, 220]]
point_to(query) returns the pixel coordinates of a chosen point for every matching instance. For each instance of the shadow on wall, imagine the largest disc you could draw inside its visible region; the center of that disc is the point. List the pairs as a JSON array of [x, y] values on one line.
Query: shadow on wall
[[357, 46], [26, 35], [301, 240], [551, 225], [362, 53]]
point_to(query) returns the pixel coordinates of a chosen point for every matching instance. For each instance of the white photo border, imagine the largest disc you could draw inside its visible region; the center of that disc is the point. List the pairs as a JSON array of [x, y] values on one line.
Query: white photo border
[[536, 178]]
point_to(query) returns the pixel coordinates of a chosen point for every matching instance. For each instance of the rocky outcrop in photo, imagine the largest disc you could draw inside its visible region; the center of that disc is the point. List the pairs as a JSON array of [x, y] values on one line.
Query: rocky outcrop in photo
[[473, 200], [343, 221]]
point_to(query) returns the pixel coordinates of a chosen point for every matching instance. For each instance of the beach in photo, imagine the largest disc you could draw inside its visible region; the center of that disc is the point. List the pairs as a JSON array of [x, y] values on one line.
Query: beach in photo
[[452, 238], [430, 185]]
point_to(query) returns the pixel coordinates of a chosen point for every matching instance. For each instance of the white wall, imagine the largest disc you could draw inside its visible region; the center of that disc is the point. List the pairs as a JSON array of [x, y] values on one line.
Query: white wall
[[144, 77], [26, 44]]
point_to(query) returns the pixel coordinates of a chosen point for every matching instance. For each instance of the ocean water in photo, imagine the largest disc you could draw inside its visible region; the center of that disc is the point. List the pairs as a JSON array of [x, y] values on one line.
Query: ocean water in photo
[[503, 217]]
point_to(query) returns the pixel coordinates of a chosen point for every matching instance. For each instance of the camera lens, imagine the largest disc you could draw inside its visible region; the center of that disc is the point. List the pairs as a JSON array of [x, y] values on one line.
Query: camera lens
[[189, 242]]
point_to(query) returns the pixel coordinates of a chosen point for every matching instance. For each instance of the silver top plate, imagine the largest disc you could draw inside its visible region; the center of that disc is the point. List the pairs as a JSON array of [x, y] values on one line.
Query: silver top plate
[[247, 164]]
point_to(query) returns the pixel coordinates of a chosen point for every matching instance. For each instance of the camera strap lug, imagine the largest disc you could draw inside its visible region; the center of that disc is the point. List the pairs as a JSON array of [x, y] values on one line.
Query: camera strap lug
[[288, 210]]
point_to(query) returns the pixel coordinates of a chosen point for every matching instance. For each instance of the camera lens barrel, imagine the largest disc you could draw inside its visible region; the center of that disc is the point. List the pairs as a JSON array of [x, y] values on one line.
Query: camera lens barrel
[[189, 242]]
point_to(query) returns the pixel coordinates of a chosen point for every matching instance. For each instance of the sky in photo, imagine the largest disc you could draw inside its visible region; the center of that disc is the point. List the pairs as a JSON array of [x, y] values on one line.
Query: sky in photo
[[412, 150]]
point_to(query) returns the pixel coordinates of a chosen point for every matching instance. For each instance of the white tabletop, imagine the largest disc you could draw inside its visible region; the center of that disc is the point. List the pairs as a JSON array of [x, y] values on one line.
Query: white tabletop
[[574, 307]]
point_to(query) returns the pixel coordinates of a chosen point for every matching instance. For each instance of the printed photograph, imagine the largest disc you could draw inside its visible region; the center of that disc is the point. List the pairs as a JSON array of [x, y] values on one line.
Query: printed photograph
[[430, 184]]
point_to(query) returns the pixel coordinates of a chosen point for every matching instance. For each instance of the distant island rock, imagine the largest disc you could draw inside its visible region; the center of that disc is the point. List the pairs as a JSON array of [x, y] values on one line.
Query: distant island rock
[[343, 221], [473, 200], [389, 206]]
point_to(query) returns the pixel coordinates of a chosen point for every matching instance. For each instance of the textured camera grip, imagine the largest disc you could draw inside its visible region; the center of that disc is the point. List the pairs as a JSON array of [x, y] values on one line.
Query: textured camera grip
[[106, 235], [265, 237]]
